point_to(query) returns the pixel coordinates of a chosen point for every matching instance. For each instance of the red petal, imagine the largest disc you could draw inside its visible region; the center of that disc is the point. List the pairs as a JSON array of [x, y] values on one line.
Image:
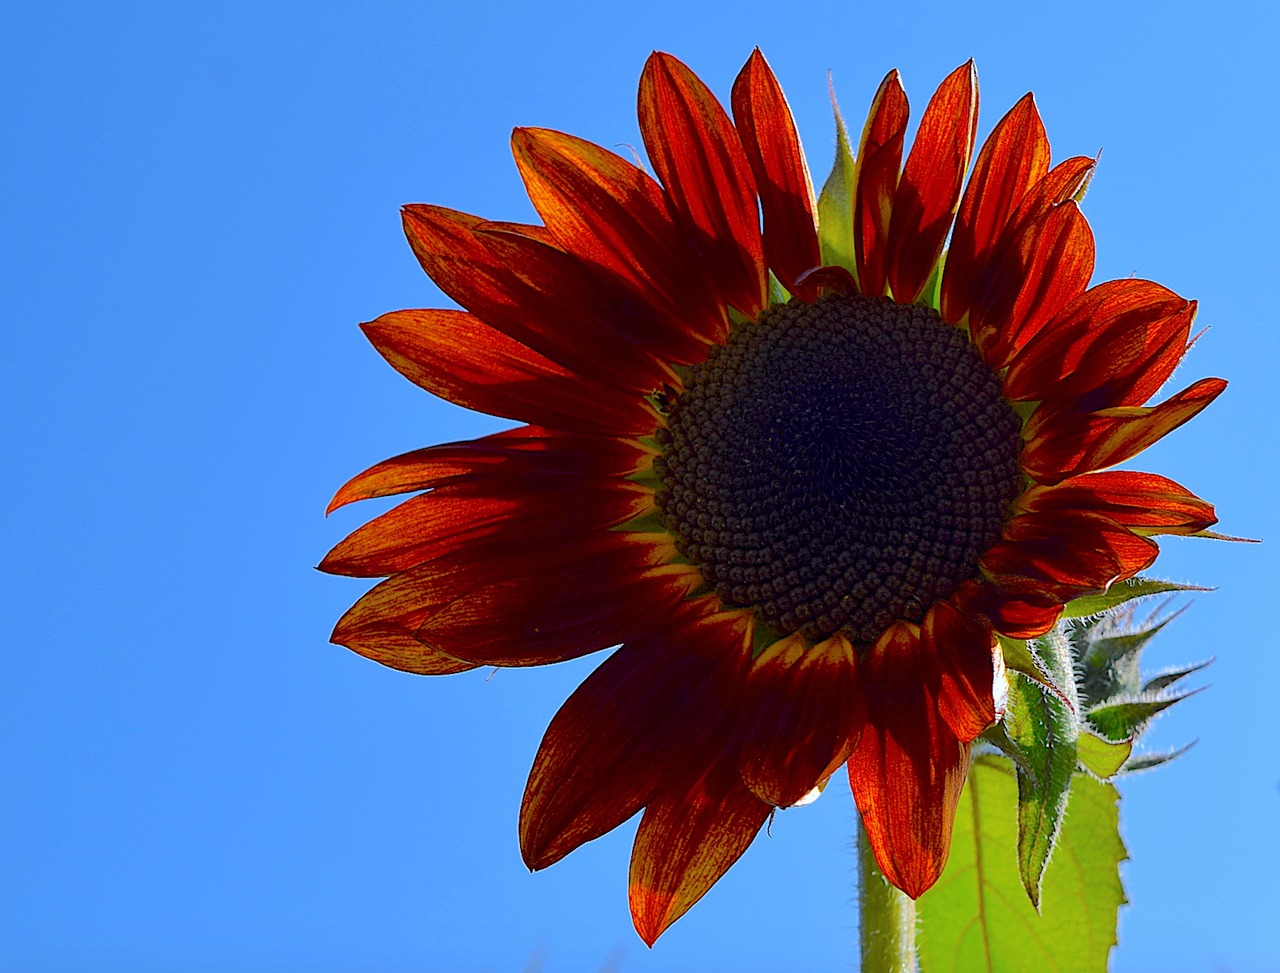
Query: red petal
[[1114, 345], [804, 711], [879, 160], [1064, 554], [458, 357], [908, 769], [1014, 157], [528, 607], [786, 193], [618, 319], [525, 451], [1153, 503], [1048, 265], [1065, 181], [477, 516], [969, 662], [542, 297], [649, 711], [1063, 443], [560, 602], [932, 178], [687, 839], [1018, 617], [697, 154], [604, 209]]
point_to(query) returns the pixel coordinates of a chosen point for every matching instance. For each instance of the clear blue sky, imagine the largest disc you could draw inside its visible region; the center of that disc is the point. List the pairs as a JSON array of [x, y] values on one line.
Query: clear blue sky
[[200, 204]]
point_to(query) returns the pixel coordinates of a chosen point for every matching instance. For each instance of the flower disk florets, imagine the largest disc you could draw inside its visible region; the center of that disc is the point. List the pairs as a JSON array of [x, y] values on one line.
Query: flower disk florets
[[838, 465]]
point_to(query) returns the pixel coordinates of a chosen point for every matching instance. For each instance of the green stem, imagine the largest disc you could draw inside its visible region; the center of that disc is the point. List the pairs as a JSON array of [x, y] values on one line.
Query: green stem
[[887, 917]]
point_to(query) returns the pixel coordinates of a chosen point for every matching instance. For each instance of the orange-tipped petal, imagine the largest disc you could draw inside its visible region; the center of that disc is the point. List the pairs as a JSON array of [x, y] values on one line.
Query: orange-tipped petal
[[879, 162], [1064, 443], [970, 667], [604, 209], [769, 136], [386, 635], [1065, 553], [929, 190], [687, 839], [696, 152], [803, 712], [1114, 345], [1047, 266], [651, 710], [465, 361], [1014, 158], [909, 768], [1148, 502]]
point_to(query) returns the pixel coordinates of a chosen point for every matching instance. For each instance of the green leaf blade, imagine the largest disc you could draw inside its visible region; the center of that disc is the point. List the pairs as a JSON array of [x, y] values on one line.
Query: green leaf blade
[[977, 918]]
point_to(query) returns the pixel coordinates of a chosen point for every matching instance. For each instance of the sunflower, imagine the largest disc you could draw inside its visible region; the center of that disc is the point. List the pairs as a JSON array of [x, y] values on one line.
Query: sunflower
[[802, 473]]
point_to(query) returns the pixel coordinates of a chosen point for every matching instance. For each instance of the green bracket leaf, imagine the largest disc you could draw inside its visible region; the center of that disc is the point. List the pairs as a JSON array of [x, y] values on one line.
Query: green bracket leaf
[[1145, 761], [1101, 757], [1166, 679], [1121, 718], [977, 919]]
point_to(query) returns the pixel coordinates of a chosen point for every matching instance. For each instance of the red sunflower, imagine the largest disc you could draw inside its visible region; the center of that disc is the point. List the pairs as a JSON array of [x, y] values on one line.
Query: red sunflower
[[802, 477]]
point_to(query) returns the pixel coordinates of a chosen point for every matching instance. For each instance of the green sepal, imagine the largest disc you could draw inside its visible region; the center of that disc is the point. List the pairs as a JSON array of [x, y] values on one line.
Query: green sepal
[[931, 296], [1101, 757], [974, 917], [1121, 592], [1110, 664], [777, 293], [1213, 535], [1122, 717], [1018, 657], [1166, 679], [1044, 731], [1145, 761], [835, 202]]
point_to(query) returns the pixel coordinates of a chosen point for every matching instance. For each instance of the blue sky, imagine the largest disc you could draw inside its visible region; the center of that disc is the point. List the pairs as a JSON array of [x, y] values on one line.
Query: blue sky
[[201, 204]]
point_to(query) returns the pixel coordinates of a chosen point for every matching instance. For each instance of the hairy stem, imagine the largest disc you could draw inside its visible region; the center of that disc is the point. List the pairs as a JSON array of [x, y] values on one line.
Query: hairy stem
[[887, 917]]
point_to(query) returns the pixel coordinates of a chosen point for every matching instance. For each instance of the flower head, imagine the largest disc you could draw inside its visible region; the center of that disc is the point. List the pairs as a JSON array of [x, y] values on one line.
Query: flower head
[[802, 475]]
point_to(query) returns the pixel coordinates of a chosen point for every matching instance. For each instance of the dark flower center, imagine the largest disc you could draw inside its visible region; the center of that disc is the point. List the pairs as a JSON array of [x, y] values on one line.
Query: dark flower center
[[839, 465]]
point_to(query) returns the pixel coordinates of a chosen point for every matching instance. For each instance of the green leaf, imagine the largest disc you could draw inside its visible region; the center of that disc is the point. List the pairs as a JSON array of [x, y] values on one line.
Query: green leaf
[[1121, 592], [1122, 717], [1044, 731], [976, 919], [1101, 757], [835, 202]]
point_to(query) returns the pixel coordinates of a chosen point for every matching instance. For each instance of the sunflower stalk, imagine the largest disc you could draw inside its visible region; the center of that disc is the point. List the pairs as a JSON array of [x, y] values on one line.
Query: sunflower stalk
[[887, 917]]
